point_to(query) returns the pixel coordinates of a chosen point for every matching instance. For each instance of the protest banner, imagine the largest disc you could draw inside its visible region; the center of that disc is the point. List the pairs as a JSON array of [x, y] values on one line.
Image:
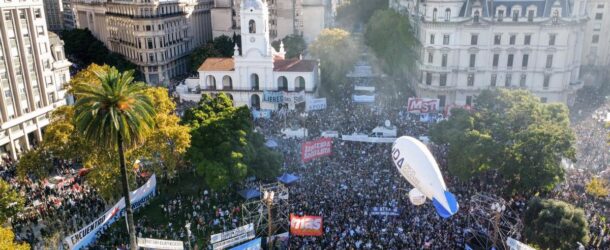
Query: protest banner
[[315, 149], [384, 211], [160, 244], [315, 104], [422, 105], [305, 225], [235, 236], [89, 233], [273, 96]]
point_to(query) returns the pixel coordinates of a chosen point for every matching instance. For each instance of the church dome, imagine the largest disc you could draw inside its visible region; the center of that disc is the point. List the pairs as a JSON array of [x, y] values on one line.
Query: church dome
[[253, 4]]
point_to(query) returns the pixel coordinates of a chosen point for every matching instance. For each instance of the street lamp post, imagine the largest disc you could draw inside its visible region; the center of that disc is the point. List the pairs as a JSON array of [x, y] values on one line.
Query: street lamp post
[[268, 198], [188, 233]]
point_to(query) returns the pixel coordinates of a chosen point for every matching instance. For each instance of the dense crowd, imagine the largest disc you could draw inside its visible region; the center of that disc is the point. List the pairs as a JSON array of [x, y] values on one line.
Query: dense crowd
[[54, 207], [342, 188]]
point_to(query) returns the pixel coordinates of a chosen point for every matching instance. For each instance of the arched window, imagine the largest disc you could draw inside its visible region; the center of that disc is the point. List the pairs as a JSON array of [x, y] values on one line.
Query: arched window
[[476, 16], [254, 82], [434, 13], [555, 16], [447, 14], [227, 83], [255, 102], [299, 83], [252, 26], [282, 83], [210, 82]]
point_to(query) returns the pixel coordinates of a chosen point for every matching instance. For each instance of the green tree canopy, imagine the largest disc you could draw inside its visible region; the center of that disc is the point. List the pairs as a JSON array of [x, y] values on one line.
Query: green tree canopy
[[164, 145], [225, 149], [391, 37], [294, 45], [511, 132], [11, 202], [221, 46], [338, 53], [554, 224], [82, 47], [355, 12]]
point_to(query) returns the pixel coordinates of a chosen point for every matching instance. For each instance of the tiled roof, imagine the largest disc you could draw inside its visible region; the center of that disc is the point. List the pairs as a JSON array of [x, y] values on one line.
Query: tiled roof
[[294, 65], [218, 64]]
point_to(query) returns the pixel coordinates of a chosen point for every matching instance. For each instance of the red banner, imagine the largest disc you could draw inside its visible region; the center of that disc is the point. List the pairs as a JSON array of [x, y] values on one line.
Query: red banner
[[422, 105], [305, 225], [315, 149]]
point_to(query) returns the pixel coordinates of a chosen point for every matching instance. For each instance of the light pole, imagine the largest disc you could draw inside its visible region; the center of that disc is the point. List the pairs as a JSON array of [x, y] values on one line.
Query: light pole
[[497, 209], [188, 233], [268, 199]]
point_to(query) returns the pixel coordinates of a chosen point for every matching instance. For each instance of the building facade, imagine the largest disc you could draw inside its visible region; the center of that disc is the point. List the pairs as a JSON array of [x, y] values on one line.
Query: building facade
[[286, 17], [259, 68], [33, 72], [471, 45], [67, 15], [597, 34], [156, 35], [53, 12]]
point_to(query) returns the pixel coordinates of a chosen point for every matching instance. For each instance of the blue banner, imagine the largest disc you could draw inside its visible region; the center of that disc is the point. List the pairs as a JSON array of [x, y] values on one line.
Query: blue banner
[[385, 211], [263, 113], [363, 98], [273, 96], [254, 244], [89, 233]]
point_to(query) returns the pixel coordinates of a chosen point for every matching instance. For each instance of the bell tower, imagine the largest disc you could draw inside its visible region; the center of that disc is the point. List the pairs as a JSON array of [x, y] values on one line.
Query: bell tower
[[255, 28]]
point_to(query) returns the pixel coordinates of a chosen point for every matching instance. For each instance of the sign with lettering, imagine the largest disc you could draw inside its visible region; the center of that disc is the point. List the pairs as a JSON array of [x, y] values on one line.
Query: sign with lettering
[[89, 233], [305, 225], [422, 105], [273, 96], [315, 149], [315, 104]]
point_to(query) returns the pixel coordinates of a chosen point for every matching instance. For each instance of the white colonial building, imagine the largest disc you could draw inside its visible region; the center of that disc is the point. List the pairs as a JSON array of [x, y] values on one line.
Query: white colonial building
[[259, 67], [471, 45]]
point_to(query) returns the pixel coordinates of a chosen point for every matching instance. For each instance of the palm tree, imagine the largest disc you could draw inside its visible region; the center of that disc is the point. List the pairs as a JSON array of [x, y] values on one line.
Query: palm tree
[[115, 114]]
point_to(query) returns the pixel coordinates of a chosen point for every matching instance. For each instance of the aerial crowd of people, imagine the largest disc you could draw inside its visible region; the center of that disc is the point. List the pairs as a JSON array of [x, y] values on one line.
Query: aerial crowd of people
[[342, 188]]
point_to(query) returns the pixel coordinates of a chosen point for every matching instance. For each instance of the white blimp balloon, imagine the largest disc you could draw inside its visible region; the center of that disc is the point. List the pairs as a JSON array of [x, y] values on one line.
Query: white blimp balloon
[[416, 164], [416, 197]]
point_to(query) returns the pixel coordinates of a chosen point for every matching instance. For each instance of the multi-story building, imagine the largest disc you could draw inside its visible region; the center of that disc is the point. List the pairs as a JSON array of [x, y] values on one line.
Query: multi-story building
[[33, 71], [259, 72], [156, 35], [286, 17], [597, 34], [67, 14], [53, 12], [471, 45]]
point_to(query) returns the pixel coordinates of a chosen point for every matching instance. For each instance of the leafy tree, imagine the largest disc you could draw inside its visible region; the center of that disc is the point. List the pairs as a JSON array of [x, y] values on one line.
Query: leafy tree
[[115, 113], [224, 45], [35, 162], [554, 224], [11, 202], [338, 53], [392, 39], [294, 45], [357, 12], [597, 187], [7, 240], [510, 132], [168, 141], [237, 149], [81, 46], [199, 55]]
